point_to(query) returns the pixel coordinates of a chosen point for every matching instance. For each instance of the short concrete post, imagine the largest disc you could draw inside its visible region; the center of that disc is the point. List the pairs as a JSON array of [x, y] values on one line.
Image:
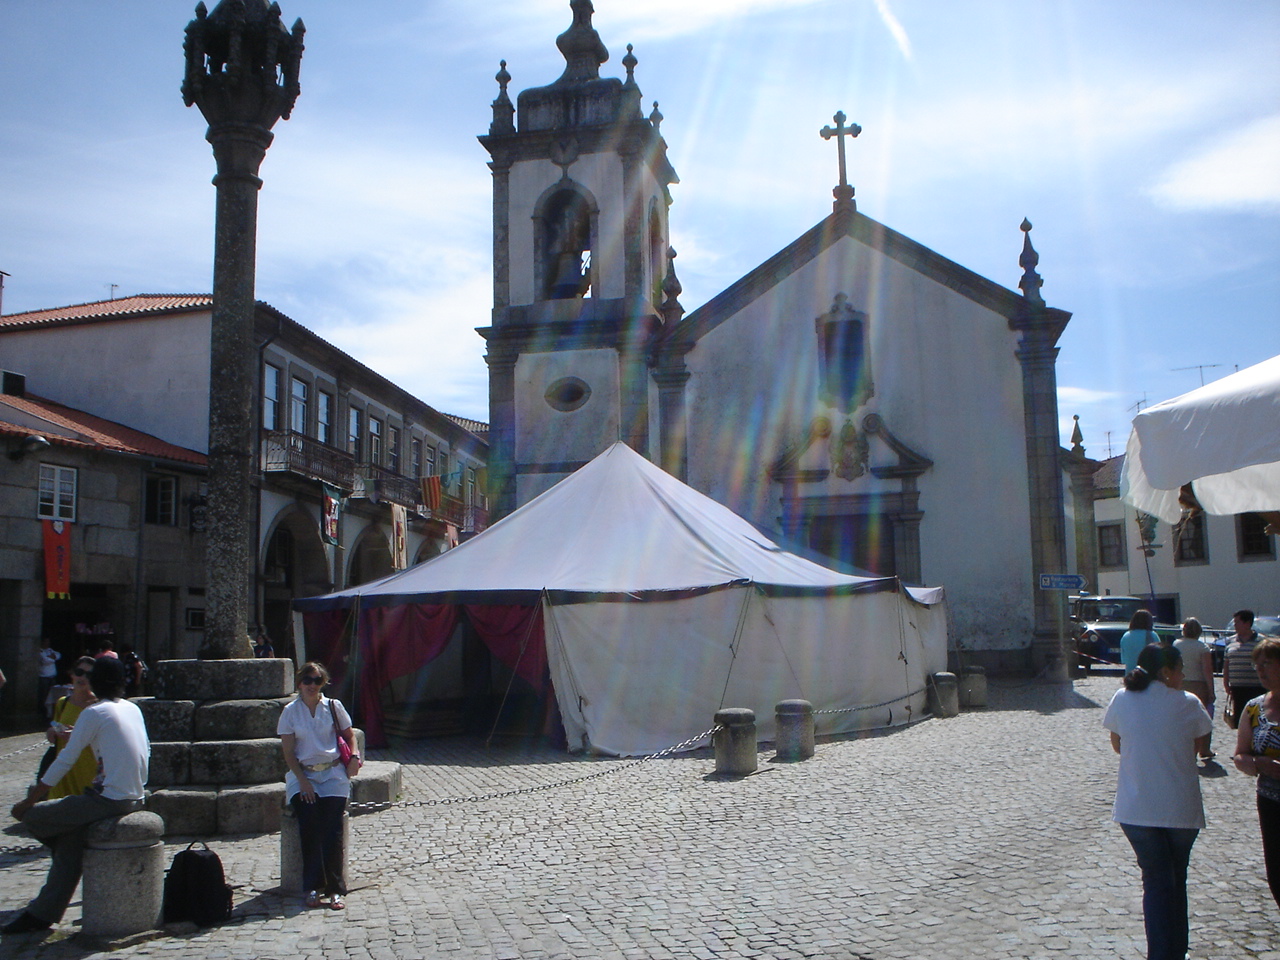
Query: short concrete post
[[973, 687], [795, 729], [735, 742], [291, 852], [944, 695], [123, 880]]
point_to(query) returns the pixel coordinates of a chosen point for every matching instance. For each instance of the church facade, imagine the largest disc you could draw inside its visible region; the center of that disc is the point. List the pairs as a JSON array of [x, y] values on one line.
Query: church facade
[[857, 396]]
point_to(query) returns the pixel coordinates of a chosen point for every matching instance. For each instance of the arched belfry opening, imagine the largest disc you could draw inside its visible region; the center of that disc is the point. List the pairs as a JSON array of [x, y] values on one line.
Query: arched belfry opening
[[565, 231]]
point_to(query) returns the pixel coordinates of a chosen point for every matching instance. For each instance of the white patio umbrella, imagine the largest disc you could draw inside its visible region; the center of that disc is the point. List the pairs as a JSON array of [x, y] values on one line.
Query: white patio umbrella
[[1223, 439]]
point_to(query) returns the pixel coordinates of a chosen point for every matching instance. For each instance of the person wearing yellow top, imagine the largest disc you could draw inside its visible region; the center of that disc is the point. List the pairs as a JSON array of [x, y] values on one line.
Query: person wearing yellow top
[[65, 714]]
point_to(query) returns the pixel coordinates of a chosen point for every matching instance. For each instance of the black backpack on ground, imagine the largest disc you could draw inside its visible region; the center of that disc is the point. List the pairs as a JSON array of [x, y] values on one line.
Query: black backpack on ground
[[195, 888]]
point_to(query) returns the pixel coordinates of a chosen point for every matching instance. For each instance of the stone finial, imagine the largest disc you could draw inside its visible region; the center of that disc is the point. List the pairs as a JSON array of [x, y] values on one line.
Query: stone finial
[[233, 57], [1077, 437], [630, 89], [503, 109], [656, 118], [582, 47], [1030, 283], [671, 308]]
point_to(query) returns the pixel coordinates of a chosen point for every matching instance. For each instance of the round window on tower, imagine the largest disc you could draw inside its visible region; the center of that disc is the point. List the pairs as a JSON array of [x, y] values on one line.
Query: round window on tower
[[568, 394]]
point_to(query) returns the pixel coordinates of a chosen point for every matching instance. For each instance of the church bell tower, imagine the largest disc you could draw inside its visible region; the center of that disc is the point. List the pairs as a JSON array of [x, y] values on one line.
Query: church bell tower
[[580, 253]]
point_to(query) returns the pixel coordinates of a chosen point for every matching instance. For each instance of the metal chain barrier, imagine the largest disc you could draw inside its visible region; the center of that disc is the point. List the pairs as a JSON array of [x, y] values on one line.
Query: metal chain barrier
[[29, 850], [40, 745], [358, 808], [870, 706]]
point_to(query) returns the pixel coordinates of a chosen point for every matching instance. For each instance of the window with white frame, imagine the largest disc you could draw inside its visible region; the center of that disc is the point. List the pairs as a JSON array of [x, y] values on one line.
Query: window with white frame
[[393, 449], [442, 467], [375, 440], [355, 432], [57, 496], [161, 503], [415, 458], [271, 397], [471, 486], [299, 405], [324, 418]]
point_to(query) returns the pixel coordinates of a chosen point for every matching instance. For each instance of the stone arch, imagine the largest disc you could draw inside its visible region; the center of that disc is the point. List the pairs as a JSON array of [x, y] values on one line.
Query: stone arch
[[294, 564], [429, 549], [566, 232], [370, 556]]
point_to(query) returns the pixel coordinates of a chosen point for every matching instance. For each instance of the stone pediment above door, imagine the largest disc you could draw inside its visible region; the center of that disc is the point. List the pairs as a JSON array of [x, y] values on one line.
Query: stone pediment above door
[[846, 452]]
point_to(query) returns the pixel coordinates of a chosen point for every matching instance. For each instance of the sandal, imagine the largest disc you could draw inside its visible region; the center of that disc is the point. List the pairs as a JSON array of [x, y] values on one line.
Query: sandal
[[313, 899], [337, 903]]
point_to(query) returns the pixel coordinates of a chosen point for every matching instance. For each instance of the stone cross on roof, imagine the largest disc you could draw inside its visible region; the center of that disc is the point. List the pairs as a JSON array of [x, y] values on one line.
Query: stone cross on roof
[[843, 193]]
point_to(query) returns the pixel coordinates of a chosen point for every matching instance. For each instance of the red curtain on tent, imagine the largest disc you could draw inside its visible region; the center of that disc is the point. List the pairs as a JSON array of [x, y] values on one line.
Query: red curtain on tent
[[515, 636], [399, 640], [326, 640], [395, 641]]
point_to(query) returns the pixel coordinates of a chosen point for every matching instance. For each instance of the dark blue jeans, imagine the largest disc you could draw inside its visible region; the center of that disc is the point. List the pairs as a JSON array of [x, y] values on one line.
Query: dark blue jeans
[[1163, 855], [320, 829]]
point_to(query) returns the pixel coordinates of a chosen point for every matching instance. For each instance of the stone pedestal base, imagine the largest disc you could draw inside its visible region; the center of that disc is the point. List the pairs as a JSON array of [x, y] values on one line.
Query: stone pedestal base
[[291, 852], [123, 881], [795, 730], [735, 743], [944, 695]]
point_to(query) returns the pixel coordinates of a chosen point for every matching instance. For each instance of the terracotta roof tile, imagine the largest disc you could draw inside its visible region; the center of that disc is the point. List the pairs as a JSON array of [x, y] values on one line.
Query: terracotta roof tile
[[91, 432], [1107, 476], [478, 427], [142, 303]]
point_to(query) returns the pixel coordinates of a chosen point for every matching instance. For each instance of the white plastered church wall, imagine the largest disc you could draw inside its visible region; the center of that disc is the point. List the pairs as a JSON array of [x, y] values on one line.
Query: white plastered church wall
[[947, 384]]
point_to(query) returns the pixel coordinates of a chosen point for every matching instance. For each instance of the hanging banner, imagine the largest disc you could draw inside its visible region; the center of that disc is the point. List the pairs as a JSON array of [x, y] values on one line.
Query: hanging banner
[[399, 537], [331, 501], [57, 560], [431, 493]]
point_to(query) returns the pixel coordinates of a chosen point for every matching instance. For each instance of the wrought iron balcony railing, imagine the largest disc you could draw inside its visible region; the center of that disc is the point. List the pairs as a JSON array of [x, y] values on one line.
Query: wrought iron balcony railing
[[286, 452]]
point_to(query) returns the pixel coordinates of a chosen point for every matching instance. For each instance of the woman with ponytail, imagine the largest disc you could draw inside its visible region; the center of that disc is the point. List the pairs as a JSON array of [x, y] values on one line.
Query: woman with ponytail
[[1159, 730]]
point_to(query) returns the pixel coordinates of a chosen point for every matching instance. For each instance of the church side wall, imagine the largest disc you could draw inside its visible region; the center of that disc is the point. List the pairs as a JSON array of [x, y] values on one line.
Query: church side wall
[[151, 374], [947, 384]]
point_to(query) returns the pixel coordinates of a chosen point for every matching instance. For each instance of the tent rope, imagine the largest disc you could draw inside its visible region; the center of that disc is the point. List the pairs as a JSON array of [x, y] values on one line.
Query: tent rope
[[524, 643], [735, 643], [781, 646]]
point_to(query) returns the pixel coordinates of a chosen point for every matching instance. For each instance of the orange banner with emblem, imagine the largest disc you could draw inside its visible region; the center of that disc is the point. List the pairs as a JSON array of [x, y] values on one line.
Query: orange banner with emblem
[[57, 560]]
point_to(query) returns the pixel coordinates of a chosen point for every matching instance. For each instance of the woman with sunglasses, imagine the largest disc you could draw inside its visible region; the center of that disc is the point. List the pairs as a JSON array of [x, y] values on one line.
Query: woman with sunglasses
[[65, 714], [317, 785]]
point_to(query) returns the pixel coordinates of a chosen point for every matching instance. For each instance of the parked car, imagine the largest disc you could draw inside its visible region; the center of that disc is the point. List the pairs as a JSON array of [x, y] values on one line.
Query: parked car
[[1100, 622]]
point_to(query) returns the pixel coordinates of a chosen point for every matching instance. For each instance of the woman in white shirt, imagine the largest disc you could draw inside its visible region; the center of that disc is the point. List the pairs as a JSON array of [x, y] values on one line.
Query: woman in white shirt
[[1197, 669], [1158, 730], [317, 785]]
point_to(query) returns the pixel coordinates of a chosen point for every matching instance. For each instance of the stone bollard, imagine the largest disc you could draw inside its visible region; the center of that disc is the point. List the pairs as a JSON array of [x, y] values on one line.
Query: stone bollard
[[973, 687], [735, 743], [944, 696], [795, 729], [291, 852], [123, 880]]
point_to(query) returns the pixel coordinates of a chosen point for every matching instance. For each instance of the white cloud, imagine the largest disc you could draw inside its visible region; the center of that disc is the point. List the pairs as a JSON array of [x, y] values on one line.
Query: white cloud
[[1240, 172]]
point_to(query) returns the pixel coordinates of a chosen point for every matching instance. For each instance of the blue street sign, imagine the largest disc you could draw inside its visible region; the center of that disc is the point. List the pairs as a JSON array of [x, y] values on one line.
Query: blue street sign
[[1061, 581]]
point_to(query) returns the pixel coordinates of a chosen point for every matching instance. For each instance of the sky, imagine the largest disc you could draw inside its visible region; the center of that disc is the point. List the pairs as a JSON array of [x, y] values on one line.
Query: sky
[[1142, 141]]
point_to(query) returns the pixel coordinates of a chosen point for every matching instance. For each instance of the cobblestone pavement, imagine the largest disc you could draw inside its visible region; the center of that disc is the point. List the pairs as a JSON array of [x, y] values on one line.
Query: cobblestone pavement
[[983, 836]]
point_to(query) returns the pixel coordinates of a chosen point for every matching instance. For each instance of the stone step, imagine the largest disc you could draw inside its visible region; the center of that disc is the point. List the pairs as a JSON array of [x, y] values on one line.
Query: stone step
[[257, 679], [380, 781], [216, 811], [213, 762], [238, 719]]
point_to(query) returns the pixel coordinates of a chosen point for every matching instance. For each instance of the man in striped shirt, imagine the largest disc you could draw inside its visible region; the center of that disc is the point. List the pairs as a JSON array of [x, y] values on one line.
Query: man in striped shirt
[[1239, 677]]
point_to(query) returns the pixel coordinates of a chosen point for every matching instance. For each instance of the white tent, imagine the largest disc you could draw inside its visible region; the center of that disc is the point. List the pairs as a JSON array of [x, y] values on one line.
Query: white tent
[[660, 606], [1223, 440]]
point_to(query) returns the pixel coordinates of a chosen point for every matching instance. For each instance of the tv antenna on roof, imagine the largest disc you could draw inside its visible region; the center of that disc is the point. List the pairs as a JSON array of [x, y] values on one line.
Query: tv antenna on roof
[[1202, 367]]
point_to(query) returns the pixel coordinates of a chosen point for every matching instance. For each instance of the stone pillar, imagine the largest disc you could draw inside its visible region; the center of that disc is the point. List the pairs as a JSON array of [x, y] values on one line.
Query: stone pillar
[[291, 852], [735, 742], [795, 729], [123, 880], [944, 696], [673, 427], [234, 56], [503, 488], [973, 687]]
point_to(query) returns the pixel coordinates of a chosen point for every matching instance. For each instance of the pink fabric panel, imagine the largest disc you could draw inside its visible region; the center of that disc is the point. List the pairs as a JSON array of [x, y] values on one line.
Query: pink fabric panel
[[503, 629], [395, 641]]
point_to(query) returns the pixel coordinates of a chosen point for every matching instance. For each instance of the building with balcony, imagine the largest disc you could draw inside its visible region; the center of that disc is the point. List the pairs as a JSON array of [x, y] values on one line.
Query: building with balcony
[[103, 538], [348, 458]]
